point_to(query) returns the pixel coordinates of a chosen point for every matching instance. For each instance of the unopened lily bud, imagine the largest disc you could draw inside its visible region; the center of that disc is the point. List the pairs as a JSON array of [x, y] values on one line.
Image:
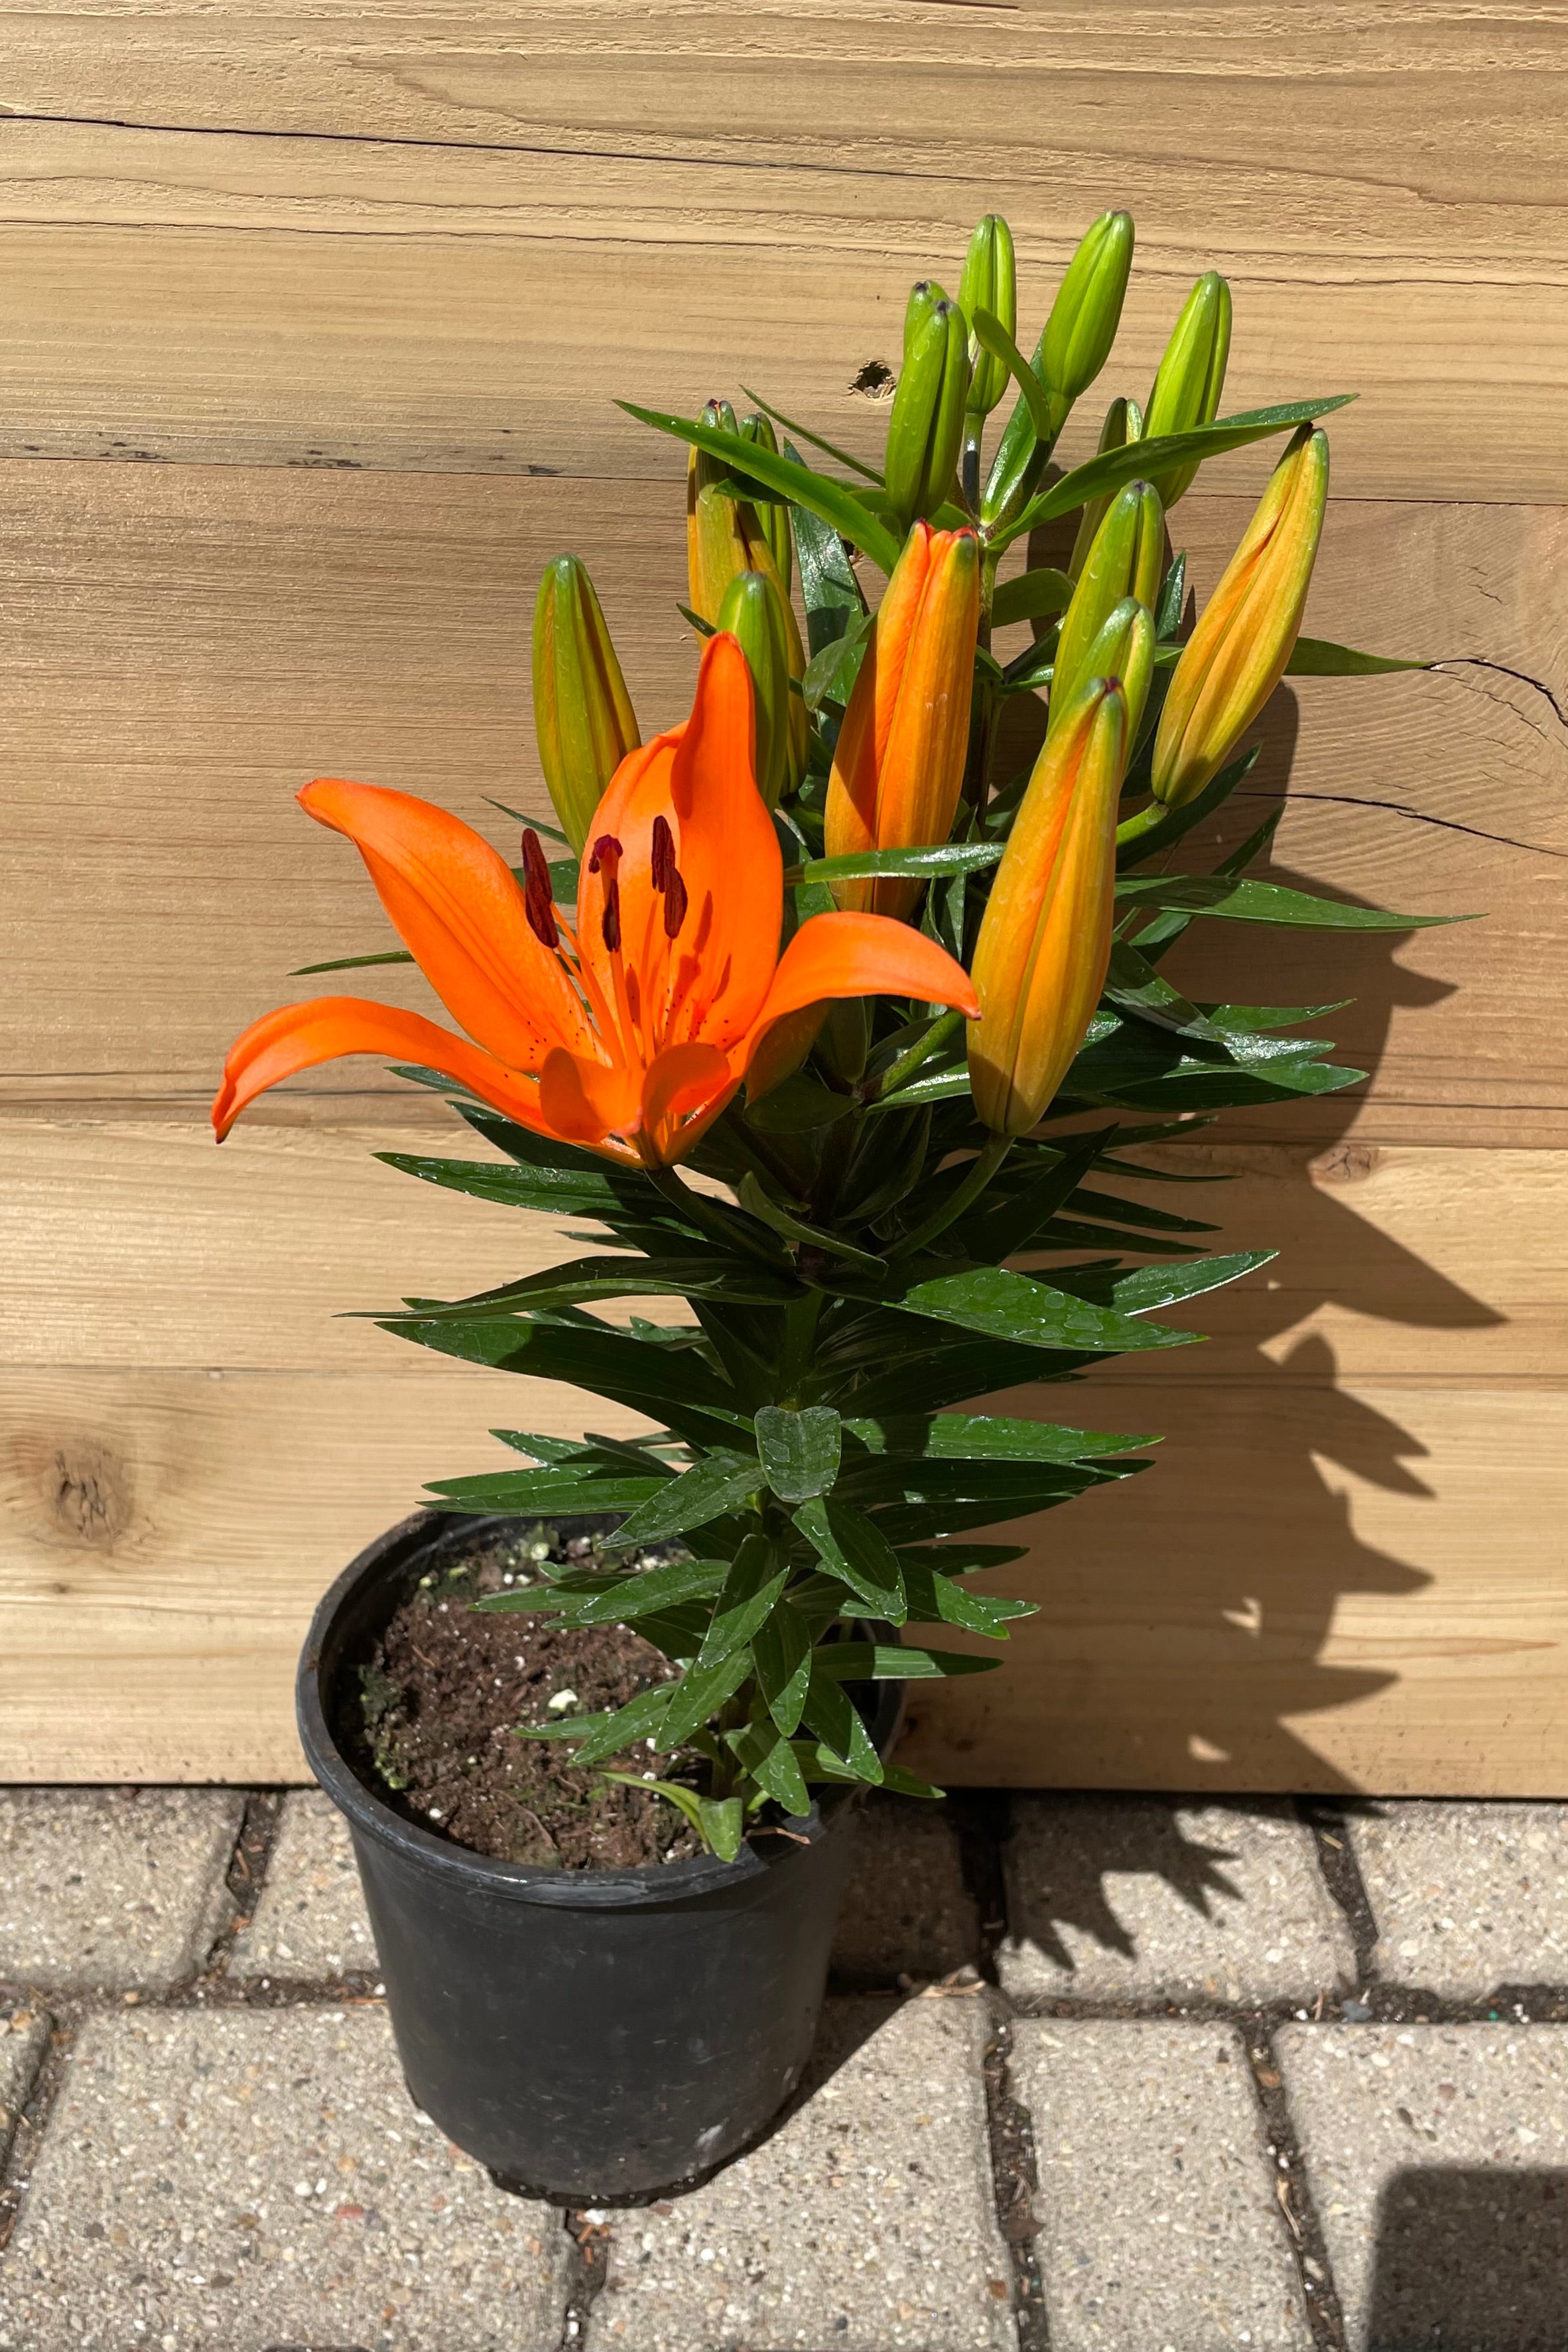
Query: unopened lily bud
[[1045, 940], [772, 513], [582, 715], [1123, 425], [1088, 308], [752, 610], [924, 296], [1191, 376], [990, 282], [926, 428], [898, 769], [1237, 654], [1073, 347], [1126, 560], [1122, 649], [723, 533]]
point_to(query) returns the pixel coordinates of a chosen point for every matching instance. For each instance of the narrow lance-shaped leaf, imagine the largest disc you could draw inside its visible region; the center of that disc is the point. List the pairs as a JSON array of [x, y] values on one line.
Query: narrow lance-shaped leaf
[[852, 1550], [1266, 902], [822, 496], [781, 1652], [799, 1451], [710, 1490], [756, 1578]]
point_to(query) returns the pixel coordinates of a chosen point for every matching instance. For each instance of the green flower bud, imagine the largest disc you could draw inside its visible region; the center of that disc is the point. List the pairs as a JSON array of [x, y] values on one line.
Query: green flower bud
[[1126, 560], [1191, 376], [772, 514], [926, 428], [1071, 351], [1123, 424], [924, 296], [753, 611], [582, 715], [990, 282], [1123, 647], [1088, 309]]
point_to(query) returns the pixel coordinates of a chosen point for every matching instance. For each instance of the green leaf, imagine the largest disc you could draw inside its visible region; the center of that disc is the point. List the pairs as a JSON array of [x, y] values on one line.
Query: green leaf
[[1146, 460], [756, 1578], [856, 1553], [566, 1191], [1319, 657], [832, 596], [781, 1652], [950, 857], [724, 1825], [630, 1596], [741, 1281], [819, 1763], [1176, 824], [654, 1376], [989, 331], [701, 1693], [710, 1489], [829, 448], [939, 1599], [1004, 1226], [1266, 902], [542, 1493], [799, 1450], [832, 1716], [831, 672], [1148, 1287], [883, 1662], [1173, 596], [1032, 1314], [607, 1735], [773, 1766], [351, 963], [933, 1087], [818, 492], [798, 1104], [987, 1437], [1032, 596]]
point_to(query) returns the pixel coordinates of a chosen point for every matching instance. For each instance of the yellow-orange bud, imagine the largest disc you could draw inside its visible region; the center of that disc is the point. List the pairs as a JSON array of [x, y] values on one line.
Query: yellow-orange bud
[[726, 536], [1237, 654], [1045, 940], [898, 767]]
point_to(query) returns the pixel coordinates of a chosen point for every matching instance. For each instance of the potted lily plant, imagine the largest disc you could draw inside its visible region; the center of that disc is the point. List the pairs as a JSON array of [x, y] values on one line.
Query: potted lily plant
[[837, 1037]]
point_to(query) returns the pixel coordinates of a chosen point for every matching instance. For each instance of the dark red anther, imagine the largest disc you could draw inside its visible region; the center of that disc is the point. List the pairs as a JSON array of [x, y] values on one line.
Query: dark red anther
[[667, 877], [606, 858], [536, 892]]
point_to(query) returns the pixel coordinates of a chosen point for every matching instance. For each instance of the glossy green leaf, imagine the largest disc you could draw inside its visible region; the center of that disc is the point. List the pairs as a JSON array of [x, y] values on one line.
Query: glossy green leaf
[[856, 1553], [832, 1716], [1264, 902], [1167, 453], [1035, 595], [940, 1600], [1320, 657], [798, 1104], [1015, 1306], [819, 1763], [831, 672], [568, 1191], [656, 1377], [710, 1489], [799, 1451], [882, 1661], [351, 963], [607, 1735], [829, 448], [1006, 1223], [756, 1578], [630, 1596], [987, 1437], [542, 1493], [701, 1693], [781, 1652], [1148, 1287], [830, 499], [989, 331], [762, 1205], [949, 857], [834, 598], [768, 1757]]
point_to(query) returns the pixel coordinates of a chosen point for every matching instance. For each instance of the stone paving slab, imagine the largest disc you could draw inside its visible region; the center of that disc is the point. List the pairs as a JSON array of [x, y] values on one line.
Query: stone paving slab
[[242, 2179], [906, 1910], [23, 2038], [866, 2223], [112, 1888], [1145, 1898], [1158, 2223], [1466, 1896], [1437, 2157], [310, 1921]]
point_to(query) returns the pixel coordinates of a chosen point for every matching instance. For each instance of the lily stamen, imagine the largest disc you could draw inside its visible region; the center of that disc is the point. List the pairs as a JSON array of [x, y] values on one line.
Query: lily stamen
[[536, 896]]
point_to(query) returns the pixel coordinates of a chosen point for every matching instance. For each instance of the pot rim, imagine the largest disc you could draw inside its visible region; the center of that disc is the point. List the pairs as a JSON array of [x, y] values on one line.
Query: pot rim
[[390, 1556]]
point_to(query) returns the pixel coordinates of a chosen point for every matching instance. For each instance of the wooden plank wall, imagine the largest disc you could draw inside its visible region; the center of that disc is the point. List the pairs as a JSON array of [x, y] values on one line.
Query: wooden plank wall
[[311, 321]]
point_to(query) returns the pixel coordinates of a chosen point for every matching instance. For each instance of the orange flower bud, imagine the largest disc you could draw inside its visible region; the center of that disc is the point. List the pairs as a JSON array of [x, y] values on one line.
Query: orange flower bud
[[898, 767], [1237, 654], [1045, 940], [726, 536]]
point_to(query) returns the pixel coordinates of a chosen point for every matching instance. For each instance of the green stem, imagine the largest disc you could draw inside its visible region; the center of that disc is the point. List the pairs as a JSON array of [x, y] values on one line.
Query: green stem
[[969, 475], [981, 1171], [1148, 819], [801, 1319], [924, 1047]]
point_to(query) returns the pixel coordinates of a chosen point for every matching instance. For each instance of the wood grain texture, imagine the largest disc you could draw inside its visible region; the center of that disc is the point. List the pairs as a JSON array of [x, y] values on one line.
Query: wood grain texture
[[263, 238], [185, 646]]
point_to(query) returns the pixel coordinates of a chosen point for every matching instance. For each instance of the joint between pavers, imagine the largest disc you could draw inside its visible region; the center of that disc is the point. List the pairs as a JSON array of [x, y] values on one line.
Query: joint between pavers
[[33, 2120], [1341, 1875], [1015, 2180], [590, 2233], [1293, 2195], [245, 1876]]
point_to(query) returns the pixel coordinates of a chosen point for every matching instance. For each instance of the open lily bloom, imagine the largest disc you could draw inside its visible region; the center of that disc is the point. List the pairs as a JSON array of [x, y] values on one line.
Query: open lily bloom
[[631, 1032]]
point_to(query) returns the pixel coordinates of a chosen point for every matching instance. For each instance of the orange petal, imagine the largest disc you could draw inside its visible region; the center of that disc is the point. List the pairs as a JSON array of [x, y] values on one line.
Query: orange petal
[[457, 907], [585, 1101], [298, 1037], [686, 1080], [863, 955]]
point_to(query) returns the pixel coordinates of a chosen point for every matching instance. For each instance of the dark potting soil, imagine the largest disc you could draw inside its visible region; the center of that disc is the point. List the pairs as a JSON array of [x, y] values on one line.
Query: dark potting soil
[[430, 1719]]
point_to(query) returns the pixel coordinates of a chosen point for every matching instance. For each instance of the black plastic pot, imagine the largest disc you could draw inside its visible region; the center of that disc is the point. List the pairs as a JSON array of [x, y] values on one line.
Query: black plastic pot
[[590, 2036]]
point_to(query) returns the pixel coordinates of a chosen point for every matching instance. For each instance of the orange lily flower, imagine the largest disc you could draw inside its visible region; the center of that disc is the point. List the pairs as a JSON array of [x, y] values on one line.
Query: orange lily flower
[[631, 1033]]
